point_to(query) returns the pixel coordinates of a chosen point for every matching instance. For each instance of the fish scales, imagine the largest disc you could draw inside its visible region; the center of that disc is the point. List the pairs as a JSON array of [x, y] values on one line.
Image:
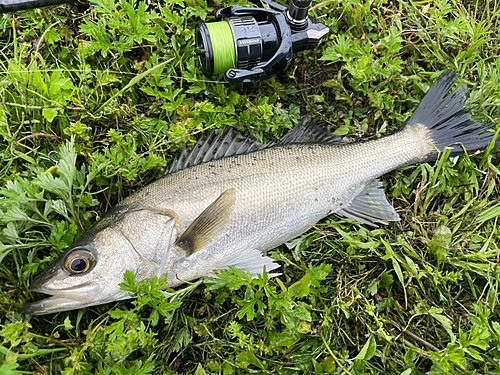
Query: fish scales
[[227, 211], [293, 169], [280, 192]]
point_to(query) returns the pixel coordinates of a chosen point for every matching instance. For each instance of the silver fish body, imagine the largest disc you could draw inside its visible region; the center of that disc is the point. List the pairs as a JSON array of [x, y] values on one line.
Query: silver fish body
[[280, 192], [227, 211]]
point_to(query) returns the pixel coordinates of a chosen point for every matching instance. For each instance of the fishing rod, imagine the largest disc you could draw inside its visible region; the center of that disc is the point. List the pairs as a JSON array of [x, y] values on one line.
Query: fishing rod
[[7, 6], [245, 44]]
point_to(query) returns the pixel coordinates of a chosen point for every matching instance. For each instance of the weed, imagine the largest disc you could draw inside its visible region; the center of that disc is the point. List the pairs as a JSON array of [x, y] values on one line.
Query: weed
[[97, 100]]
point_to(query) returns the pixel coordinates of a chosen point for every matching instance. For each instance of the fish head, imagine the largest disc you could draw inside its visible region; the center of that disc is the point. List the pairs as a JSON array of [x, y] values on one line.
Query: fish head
[[87, 274]]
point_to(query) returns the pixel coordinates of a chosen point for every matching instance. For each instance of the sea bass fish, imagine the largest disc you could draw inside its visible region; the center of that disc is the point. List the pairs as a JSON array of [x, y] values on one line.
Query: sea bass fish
[[228, 200]]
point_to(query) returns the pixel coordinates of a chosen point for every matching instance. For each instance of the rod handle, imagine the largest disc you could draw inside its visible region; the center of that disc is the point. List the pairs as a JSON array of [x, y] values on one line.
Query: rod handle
[[15, 5]]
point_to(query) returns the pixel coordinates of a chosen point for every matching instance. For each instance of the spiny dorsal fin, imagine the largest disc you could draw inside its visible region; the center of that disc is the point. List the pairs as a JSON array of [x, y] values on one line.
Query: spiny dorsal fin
[[222, 143], [306, 131], [217, 144], [370, 206], [209, 225]]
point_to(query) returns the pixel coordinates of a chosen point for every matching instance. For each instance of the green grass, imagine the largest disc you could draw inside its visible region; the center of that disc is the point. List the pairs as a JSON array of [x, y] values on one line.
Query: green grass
[[115, 90]]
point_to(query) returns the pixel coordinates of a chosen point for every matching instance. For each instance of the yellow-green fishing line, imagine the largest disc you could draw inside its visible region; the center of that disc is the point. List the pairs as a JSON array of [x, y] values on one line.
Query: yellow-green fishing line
[[223, 46]]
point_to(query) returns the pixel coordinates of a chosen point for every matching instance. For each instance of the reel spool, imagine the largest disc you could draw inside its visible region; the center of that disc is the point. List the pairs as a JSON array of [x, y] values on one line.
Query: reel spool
[[254, 44]]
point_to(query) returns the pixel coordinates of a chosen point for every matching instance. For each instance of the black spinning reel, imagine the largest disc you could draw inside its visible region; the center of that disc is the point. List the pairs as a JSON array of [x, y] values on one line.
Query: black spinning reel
[[253, 44]]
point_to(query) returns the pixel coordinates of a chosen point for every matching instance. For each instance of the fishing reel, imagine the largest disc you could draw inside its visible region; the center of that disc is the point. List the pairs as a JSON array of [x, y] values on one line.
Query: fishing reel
[[254, 44]]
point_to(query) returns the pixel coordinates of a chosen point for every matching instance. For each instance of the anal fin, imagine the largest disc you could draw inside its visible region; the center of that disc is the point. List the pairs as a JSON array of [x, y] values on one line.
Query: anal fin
[[370, 206], [209, 225]]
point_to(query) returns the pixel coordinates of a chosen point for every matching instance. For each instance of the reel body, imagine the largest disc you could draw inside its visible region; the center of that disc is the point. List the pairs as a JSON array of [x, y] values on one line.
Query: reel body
[[254, 44]]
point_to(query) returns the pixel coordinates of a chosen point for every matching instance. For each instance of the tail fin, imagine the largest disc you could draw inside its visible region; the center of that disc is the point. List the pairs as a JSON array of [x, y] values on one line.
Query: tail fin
[[449, 120]]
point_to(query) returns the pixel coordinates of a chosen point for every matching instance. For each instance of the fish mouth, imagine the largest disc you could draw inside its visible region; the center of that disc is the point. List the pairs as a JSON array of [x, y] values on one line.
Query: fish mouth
[[63, 299]]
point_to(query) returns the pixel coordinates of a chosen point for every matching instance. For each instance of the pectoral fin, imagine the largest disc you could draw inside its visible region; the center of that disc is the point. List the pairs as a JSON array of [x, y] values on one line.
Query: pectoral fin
[[209, 225]]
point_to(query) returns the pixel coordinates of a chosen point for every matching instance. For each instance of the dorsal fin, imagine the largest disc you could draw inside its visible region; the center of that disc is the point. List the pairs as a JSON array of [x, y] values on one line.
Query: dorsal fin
[[221, 143], [217, 144], [306, 131]]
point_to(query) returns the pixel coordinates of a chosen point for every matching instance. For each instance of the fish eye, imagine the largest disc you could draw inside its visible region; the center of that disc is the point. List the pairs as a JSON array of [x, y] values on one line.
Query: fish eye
[[79, 261]]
